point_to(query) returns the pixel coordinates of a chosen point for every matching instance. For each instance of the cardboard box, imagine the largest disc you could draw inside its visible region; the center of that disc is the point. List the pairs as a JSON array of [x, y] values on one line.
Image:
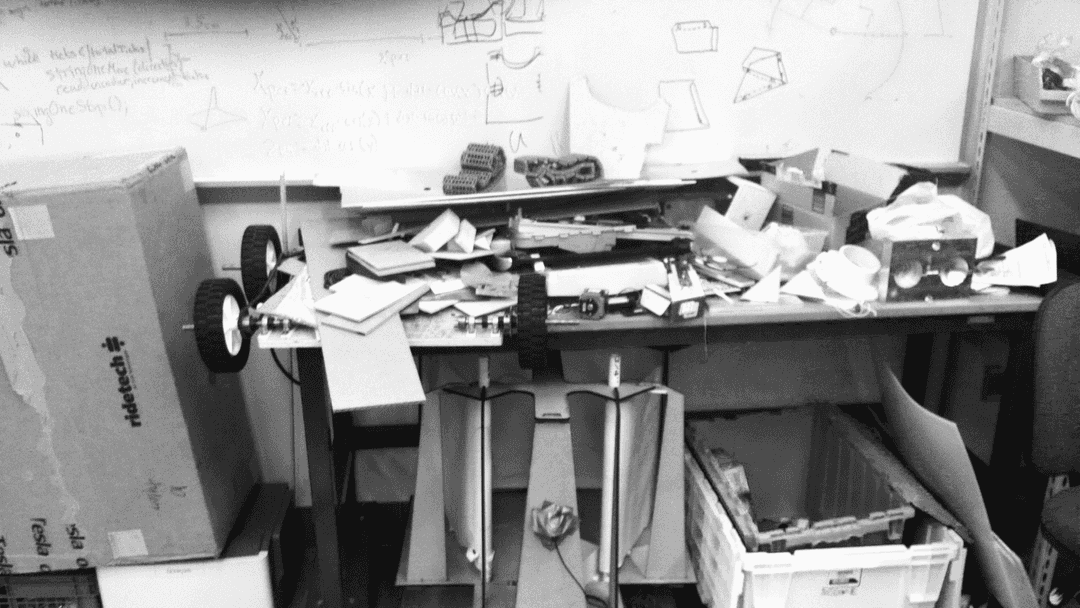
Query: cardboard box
[[832, 186], [118, 445], [1028, 86], [251, 572]]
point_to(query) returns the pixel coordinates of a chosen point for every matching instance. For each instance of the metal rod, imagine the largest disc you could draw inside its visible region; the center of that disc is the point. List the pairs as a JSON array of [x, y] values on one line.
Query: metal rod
[[614, 380], [284, 214], [231, 268], [485, 519]]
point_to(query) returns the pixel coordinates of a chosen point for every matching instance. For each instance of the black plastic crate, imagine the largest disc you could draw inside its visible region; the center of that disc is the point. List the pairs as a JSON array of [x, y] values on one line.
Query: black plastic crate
[[53, 590]]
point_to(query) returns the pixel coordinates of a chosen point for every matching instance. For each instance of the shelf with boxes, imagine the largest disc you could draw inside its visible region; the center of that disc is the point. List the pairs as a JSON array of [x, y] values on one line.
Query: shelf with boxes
[[1011, 117]]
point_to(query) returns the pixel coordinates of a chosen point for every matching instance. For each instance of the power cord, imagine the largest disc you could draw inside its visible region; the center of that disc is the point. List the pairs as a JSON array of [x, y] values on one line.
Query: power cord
[[273, 353], [591, 600]]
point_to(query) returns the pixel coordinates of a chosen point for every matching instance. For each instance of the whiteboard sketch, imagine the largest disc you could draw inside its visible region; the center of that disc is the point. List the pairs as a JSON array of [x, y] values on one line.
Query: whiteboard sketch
[[288, 28], [213, 116], [514, 89], [524, 17], [695, 37], [686, 112], [763, 71], [459, 27], [18, 135], [357, 83]]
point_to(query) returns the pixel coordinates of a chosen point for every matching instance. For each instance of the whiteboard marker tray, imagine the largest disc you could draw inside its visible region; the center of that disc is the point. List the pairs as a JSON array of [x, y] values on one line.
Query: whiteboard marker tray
[[420, 196]]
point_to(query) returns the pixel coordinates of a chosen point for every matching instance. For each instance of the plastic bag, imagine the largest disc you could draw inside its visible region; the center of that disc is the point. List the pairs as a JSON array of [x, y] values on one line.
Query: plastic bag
[[794, 251], [921, 213]]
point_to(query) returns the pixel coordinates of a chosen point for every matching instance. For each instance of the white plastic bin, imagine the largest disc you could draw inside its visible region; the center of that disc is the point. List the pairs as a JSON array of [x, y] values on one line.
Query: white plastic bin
[[924, 575]]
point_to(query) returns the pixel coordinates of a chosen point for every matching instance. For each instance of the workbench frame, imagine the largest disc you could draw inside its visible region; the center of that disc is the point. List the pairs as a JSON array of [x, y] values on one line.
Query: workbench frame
[[1013, 501]]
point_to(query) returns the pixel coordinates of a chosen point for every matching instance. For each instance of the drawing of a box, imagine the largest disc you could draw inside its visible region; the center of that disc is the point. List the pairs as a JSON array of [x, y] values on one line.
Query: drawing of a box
[[695, 36]]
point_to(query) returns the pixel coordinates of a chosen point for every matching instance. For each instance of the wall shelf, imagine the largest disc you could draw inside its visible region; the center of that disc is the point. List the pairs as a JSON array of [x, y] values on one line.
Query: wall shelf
[[1012, 118]]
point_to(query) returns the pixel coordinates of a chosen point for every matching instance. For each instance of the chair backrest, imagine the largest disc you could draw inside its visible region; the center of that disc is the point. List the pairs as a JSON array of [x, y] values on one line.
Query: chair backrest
[[1055, 446]]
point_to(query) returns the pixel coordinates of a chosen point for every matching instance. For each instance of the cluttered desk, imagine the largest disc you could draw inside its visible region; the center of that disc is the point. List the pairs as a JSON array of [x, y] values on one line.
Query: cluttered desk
[[367, 295], [516, 195]]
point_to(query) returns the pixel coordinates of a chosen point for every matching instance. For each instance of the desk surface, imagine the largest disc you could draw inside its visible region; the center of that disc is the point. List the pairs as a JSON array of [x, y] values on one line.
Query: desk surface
[[738, 320]]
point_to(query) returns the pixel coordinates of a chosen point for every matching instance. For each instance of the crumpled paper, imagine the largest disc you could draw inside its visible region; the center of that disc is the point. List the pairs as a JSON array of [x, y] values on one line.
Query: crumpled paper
[[552, 522], [921, 213]]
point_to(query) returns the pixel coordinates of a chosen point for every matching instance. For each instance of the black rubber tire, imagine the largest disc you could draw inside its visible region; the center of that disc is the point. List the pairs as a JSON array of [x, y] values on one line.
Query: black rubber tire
[[253, 270], [532, 312], [209, 336]]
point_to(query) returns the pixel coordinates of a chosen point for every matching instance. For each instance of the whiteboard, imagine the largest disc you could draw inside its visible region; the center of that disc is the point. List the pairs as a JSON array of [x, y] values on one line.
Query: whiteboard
[[353, 86]]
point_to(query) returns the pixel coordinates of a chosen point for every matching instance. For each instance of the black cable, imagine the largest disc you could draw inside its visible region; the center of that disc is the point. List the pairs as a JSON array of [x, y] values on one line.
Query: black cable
[[273, 354], [591, 600]]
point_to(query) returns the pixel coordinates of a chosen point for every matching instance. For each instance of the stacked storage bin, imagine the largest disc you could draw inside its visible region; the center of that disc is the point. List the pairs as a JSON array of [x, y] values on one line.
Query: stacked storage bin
[[845, 544]]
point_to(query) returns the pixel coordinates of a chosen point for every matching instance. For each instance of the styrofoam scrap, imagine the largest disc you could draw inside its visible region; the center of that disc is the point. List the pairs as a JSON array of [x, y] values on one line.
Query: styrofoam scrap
[[767, 290], [655, 299], [438, 232], [441, 287], [465, 239], [431, 307], [483, 239], [483, 307]]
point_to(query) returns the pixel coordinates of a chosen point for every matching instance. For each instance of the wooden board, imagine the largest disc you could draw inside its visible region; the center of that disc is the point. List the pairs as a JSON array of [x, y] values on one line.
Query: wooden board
[[361, 371]]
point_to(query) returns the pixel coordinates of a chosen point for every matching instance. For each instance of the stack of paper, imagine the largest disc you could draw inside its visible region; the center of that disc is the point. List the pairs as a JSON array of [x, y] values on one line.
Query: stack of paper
[[360, 304], [386, 259]]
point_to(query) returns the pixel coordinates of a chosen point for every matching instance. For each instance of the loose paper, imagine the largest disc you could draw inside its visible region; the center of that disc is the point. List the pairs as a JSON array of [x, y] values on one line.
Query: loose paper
[[1030, 265]]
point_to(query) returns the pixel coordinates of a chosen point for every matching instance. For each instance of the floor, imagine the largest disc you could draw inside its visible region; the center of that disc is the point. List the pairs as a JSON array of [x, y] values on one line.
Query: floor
[[371, 537]]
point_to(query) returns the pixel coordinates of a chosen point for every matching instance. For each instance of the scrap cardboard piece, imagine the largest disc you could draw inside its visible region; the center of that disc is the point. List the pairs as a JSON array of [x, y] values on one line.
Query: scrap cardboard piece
[[359, 304], [655, 299], [483, 239], [752, 252], [362, 371], [483, 307], [805, 286], [615, 136], [750, 205], [464, 240], [460, 256], [368, 325], [438, 232], [934, 450], [388, 258], [430, 307], [767, 290], [446, 286]]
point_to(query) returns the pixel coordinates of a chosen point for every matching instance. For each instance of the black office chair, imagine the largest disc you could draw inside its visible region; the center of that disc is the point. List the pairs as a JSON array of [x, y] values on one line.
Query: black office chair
[[1055, 446]]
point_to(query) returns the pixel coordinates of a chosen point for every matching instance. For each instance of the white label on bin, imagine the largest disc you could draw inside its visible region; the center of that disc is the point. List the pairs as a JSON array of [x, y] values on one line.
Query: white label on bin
[[32, 222], [128, 543], [842, 582]]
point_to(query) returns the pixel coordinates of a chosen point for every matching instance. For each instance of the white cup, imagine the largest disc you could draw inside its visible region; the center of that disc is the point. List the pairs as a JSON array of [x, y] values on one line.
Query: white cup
[[848, 271], [865, 263]]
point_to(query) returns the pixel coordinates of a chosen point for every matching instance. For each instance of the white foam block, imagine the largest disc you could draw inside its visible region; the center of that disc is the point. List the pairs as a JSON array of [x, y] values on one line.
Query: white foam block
[[438, 232], [465, 239]]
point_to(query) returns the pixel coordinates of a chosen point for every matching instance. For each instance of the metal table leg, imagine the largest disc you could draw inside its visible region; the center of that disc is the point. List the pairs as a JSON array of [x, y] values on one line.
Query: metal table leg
[[324, 498]]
